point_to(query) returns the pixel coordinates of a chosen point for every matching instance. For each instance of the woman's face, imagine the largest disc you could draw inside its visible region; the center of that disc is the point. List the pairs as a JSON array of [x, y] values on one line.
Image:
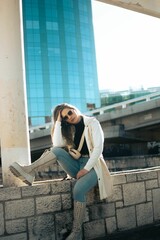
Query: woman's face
[[70, 115]]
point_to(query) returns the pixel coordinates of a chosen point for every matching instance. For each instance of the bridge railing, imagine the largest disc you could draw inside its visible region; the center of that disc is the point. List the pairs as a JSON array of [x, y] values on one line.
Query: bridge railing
[[103, 110], [124, 104]]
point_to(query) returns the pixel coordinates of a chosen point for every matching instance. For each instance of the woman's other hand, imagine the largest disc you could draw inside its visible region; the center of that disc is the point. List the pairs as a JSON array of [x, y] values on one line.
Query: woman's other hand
[[81, 173]]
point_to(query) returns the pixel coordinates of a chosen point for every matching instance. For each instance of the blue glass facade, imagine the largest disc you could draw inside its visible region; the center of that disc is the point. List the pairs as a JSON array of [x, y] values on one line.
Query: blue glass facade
[[59, 56]]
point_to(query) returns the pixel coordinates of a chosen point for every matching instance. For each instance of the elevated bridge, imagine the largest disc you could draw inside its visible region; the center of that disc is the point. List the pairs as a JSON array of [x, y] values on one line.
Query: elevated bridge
[[133, 121], [151, 7]]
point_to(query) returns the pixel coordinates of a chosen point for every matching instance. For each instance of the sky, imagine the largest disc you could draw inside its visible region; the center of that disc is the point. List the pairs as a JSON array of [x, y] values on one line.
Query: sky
[[127, 48]]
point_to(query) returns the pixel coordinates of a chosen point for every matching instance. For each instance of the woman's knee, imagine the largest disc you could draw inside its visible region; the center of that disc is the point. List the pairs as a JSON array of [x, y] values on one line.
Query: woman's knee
[[58, 151]]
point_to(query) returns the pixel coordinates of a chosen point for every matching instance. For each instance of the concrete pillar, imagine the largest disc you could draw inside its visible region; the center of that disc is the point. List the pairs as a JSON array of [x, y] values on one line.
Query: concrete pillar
[[14, 132]]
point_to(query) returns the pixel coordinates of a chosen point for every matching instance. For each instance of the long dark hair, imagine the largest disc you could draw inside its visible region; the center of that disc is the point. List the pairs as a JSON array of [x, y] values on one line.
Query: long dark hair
[[67, 129]]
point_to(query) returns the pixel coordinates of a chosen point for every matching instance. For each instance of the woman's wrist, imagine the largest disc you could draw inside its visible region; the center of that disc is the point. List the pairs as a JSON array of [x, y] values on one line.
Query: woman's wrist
[[58, 123]]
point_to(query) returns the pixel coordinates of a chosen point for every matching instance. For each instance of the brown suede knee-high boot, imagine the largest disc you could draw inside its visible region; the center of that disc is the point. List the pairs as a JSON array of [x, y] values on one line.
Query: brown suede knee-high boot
[[27, 173], [79, 212]]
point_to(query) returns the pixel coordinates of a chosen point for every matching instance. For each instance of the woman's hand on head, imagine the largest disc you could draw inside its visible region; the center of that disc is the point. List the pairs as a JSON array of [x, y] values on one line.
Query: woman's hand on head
[[81, 173]]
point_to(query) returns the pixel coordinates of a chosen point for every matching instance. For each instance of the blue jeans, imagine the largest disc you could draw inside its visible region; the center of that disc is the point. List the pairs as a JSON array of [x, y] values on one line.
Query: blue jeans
[[71, 166]]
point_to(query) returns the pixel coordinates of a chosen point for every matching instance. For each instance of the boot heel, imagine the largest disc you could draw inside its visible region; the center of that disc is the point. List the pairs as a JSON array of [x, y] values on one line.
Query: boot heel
[[18, 171]]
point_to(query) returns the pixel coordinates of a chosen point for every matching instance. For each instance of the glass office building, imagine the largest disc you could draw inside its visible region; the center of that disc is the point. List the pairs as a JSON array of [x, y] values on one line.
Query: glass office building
[[59, 56]]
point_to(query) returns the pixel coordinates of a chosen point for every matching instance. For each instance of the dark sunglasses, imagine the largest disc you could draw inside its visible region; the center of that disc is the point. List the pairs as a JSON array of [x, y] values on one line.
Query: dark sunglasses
[[65, 118]]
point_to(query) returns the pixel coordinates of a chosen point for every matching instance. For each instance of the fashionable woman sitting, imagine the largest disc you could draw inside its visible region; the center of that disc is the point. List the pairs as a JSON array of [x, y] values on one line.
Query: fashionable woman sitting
[[71, 131]]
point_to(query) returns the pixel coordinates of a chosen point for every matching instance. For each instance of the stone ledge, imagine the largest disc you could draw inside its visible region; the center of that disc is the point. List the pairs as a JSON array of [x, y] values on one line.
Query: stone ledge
[[44, 210]]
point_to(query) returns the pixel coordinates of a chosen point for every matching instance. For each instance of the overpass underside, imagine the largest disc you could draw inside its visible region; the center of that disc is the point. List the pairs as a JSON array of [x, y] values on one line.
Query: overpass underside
[[136, 123], [149, 7]]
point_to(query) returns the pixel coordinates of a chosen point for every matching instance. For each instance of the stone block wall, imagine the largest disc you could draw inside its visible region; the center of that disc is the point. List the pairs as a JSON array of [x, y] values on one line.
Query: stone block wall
[[44, 211], [132, 162], [114, 165]]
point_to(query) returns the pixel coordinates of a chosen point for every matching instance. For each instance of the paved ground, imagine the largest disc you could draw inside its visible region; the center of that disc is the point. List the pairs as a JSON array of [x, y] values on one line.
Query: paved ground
[[150, 233]]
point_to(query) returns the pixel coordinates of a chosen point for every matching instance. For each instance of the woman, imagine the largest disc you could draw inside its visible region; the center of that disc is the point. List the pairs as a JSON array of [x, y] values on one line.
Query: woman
[[89, 169]]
